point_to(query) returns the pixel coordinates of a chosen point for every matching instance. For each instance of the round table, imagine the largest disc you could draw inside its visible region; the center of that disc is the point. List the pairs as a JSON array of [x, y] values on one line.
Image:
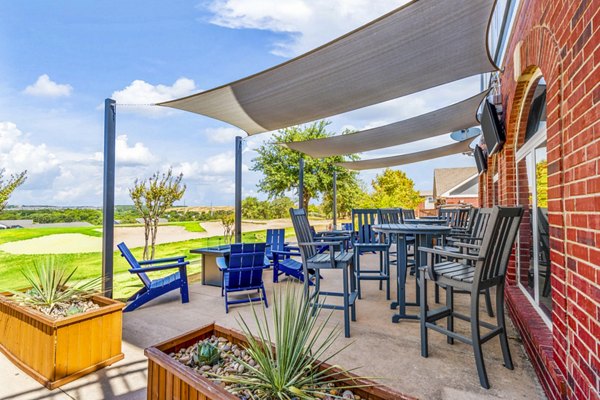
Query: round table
[[423, 234], [427, 221]]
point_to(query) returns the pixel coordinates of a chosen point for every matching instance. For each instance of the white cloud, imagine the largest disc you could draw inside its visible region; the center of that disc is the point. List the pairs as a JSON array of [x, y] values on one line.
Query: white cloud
[[45, 87], [129, 156], [140, 92], [223, 135], [309, 23]]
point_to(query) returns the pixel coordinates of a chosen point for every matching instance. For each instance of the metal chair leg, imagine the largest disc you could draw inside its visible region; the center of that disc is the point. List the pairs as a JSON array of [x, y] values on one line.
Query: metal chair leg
[[437, 294], [488, 303], [387, 273], [476, 339], [450, 305], [357, 266], [381, 269], [502, 324], [423, 316], [346, 303]]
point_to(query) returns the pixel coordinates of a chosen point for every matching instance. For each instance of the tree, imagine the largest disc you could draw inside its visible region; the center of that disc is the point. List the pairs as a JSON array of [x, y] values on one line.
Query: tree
[[151, 198], [280, 207], [9, 186], [393, 188], [350, 194], [228, 221], [280, 165]]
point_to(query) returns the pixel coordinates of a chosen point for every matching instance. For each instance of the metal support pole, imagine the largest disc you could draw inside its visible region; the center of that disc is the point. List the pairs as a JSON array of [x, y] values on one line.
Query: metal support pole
[[334, 199], [238, 189], [301, 184], [108, 204]]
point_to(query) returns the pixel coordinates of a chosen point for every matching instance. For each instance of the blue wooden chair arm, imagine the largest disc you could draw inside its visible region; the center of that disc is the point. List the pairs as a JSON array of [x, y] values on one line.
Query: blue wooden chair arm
[[162, 260], [288, 253], [158, 268], [221, 263], [328, 243]]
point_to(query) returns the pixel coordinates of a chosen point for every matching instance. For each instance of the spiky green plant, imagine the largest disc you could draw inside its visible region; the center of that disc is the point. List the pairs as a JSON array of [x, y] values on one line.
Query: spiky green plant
[[50, 285], [206, 354], [291, 368]]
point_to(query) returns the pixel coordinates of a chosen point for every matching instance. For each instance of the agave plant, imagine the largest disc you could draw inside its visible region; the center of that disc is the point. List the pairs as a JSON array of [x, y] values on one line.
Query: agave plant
[[50, 285], [206, 354], [291, 368]]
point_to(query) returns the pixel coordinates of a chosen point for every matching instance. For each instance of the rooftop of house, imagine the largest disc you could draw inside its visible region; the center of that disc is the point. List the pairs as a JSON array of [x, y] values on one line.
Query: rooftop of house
[[445, 179]]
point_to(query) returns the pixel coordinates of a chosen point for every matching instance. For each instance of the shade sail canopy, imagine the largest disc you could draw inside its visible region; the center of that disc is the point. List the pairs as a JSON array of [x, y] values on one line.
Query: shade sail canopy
[[458, 116], [422, 44], [454, 148]]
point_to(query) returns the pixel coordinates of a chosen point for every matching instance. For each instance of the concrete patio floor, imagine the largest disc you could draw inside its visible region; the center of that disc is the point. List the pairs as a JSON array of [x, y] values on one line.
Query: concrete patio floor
[[379, 347]]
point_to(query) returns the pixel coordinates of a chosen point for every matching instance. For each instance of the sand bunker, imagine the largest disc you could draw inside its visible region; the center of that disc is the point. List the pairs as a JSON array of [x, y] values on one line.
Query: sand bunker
[[63, 243], [70, 243]]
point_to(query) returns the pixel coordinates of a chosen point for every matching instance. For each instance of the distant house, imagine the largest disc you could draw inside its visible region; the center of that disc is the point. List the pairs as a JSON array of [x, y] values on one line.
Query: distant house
[[456, 185]]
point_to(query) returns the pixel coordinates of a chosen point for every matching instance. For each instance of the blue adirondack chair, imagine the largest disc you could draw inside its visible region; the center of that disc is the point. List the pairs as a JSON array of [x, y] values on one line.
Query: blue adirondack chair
[[155, 288], [243, 272], [275, 241]]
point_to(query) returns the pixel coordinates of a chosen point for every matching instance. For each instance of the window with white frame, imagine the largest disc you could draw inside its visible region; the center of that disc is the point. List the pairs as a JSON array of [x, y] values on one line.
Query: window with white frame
[[533, 250]]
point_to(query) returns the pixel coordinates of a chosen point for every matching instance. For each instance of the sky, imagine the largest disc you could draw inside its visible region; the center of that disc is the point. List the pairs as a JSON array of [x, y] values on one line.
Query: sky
[[59, 60]]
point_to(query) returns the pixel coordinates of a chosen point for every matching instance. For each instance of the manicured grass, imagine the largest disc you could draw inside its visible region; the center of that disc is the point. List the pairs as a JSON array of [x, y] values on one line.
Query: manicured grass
[[89, 265]]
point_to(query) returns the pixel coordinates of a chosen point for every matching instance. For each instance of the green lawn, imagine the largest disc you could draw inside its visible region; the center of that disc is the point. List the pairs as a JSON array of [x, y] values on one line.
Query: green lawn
[[89, 265]]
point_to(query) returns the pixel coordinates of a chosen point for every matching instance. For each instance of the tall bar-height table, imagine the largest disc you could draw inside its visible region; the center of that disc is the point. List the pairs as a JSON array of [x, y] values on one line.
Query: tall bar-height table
[[423, 234]]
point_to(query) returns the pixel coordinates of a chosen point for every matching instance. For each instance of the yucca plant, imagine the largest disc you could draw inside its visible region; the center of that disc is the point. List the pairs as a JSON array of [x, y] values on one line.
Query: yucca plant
[[289, 369], [50, 285]]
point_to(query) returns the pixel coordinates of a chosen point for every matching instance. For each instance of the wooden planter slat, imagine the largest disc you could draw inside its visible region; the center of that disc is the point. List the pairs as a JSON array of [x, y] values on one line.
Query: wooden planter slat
[[169, 379], [55, 352]]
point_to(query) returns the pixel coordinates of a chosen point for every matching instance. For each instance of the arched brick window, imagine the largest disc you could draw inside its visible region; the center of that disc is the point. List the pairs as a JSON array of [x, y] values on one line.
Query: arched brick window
[[533, 254]]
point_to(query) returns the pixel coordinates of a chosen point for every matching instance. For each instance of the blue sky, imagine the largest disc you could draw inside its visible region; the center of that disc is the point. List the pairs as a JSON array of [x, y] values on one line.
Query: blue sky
[[59, 60]]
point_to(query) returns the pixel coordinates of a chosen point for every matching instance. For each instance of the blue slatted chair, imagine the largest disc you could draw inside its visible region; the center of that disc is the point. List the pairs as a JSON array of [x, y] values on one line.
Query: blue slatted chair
[[243, 272], [157, 287], [275, 241], [368, 241]]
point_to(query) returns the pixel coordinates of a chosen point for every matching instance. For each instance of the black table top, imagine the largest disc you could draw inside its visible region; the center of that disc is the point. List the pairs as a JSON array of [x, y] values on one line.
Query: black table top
[[430, 221], [219, 250], [412, 229]]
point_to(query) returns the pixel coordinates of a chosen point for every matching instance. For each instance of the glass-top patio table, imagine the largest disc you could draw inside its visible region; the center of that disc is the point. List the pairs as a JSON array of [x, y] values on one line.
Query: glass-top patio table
[[211, 275], [423, 234]]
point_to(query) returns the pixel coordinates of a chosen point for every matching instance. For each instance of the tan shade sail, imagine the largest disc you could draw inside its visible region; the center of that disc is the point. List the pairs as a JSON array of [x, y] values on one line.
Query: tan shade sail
[[423, 44], [454, 148], [448, 119]]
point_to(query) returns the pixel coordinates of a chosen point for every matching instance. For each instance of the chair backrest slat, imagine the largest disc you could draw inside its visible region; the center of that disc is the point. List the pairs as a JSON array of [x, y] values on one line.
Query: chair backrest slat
[[497, 243], [275, 240], [456, 217], [390, 216], [408, 213], [480, 222], [363, 220], [303, 232], [133, 262], [246, 255]]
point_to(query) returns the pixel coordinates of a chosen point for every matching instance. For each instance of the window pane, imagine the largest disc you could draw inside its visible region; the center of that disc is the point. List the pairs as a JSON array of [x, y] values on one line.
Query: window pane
[[543, 243], [525, 198]]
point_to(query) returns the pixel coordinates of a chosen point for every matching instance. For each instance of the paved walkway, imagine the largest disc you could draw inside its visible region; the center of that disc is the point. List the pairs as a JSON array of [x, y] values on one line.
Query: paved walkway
[[380, 348]]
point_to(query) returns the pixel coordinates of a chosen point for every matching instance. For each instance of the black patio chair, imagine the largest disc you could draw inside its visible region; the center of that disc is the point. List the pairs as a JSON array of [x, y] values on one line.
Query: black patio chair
[[473, 238], [408, 213], [367, 241], [456, 217], [330, 259], [486, 269]]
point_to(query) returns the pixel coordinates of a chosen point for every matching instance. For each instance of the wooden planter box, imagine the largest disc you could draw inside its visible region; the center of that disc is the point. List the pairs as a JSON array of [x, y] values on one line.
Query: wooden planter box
[[169, 379], [55, 352]]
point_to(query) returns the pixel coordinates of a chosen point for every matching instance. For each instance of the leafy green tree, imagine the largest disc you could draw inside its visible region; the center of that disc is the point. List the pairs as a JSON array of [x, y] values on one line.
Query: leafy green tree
[[350, 194], [541, 172], [9, 185], [253, 208], [393, 188], [280, 165], [151, 198], [280, 207], [228, 222]]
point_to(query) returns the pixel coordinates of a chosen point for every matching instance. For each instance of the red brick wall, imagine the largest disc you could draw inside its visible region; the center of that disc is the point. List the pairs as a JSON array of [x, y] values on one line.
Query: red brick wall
[[561, 39]]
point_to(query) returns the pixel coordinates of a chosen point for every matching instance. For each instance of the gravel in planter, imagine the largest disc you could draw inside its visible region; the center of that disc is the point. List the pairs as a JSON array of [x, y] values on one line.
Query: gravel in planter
[[228, 365]]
